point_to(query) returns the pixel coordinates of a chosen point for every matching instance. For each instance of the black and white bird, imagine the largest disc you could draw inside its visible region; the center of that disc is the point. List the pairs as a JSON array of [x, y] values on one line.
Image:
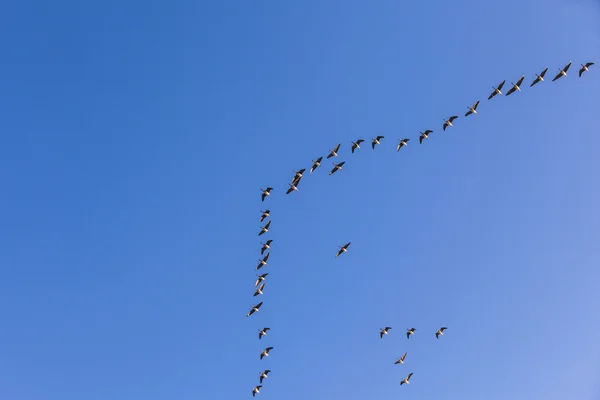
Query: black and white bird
[[260, 278], [406, 380], [292, 188], [516, 86], [316, 164], [448, 122], [539, 78], [409, 332], [256, 390], [585, 68], [333, 153], [337, 167], [440, 332], [562, 72], [264, 229], [356, 145], [264, 374], [297, 176], [384, 331], [401, 359], [266, 192], [402, 143], [263, 262], [263, 332], [265, 352], [265, 214], [343, 249], [259, 290], [254, 309], [265, 246], [472, 109], [497, 90], [375, 141], [424, 135]]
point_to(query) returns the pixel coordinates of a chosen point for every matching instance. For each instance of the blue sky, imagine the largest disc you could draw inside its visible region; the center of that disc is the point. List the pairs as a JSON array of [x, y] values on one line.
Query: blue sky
[[135, 136]]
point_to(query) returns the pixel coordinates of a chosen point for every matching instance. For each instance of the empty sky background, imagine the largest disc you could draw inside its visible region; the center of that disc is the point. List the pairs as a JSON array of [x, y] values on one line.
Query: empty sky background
[[134, 138]]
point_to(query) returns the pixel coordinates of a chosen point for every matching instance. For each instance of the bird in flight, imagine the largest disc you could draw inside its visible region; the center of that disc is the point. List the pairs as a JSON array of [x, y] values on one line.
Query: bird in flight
[[448, 122], [265, 352], [264, 229], [256, 390], [562, 72], [265, 214], [254, 309], [406, 380], [409, 332], [440, 332], [539, 78], [263, 332], [265, 246], [384, 331], [260, 278], [259, 290], [266, 192], [337, 167], [585, 68], [472, 109], [356, 145], [316, 164], [376, 141], [263, 375], [263, 262], [497, 90], [401, 359], [333, 153], [424, 135], [516, 86], [343, 249], [403, 142]]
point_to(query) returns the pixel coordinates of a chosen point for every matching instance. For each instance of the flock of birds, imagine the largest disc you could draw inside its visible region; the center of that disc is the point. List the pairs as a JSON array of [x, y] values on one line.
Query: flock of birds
[[298, 175]]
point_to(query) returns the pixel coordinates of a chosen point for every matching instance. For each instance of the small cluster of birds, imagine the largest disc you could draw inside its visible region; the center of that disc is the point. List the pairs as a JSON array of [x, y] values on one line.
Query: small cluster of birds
[[402, 142]]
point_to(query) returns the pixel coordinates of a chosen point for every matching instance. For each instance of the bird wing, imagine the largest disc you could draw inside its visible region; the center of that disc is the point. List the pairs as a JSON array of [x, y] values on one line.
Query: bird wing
[[445, 125], [268, 224], [557, 76], [290, 190], [501, 84], [381, 335], [581, 71], [475, 105], [420, 139], [511, 91], [262, 286], [409, 375], [408, 335], [388, 328], [256, 293], [520, 80], [251, 312], [333, 170], [399, 145], [403, 356], [544, 72], [536, 80], [341, 164], [566, 68], [263, 196], [381, 137], [492, 95], [437, 335], [313, 168], [268, 349], [443, 328], [346, 245], [353, 147], [338, 253], [258, 305], [452, 118], [589, 64], [337, 147], [265, 258], [269, 241], [359, 141], [373, 144], [468, 113]]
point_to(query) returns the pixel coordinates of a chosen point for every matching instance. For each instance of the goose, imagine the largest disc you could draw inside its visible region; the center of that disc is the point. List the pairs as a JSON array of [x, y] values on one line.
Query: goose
[[292, 188], [376, 141], [264, 374], [424, 135], [265, 214], [265, 246], [259, 290], [409, 332], [473, 109], [403, 142], [263, 332], [297, 176], [343, 249], [448, 122], [333, 153], [316, 164], [585, 68], [356, 145], [264, 229], [562, 72], [265, 352], [256, 390], [260, 278], [401, 359], [337, 167], [263, 262], [516, 86], [497, 90], [406, 380], [440, 332], [539, 78], [266, 192], [254, 309], [384, 331]]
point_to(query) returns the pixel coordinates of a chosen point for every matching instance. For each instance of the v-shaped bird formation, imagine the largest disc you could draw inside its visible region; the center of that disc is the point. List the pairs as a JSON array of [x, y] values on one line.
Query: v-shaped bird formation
[[259, 285]]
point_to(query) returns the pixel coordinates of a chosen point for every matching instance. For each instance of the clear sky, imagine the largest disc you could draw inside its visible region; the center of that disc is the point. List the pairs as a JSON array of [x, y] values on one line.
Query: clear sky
[[134, 139]]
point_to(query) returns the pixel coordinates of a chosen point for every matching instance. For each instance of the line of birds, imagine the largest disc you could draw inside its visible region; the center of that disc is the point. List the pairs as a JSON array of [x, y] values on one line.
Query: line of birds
[[402, 142]]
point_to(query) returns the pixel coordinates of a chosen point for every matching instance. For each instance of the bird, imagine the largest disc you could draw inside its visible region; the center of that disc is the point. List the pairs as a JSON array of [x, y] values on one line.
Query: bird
[[254, 309], [448, 122], [585, 68], [263, 332], [263, 262], [337, 167], [259, 290], [260, 278], [333, 153], [516, 86], [401, 359], [356, 145], [440, 332], [343, 249], [297, 176], [265, 246], [473, 109], [424, 135], [265, 214], [256, 390], [497, 90], [409, 332], [316, 164], [292, 188], [376, 141], [403, 142], [264, 374], [266, 192], [562, 72], [265, 352], [265, 228], [539, 78], [384, 331], [406, 380]]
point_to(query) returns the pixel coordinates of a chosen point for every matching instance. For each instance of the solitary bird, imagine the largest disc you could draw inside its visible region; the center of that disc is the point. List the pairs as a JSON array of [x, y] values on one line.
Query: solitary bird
[[403, 142], [333, 153], [406, 380], [266, 192], [265, 246], [265, 352], [424, 135], [448, 122], [292, 188], [256, 390], [254, 309], [263, 262], [264, 229], [343, 249], [337, 167], [409, 332], [440, 332], [356, 145], [260, 278], [497, 90], [316, 164], [516, 86], [376, 141], [265, 214], [562, 72], [264, 374], [263, 332], [539, 78], [384, 331], [585, 68], [473, 109], [401, 359], [259, 290]]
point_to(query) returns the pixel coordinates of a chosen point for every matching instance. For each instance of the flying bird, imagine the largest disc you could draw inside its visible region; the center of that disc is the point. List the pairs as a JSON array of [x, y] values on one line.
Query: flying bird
[[406, 380], [440, 332], [424, 135], [409, 332], [356, 145], [265, 246], [562, 72], [266, 192], [343, 249], [585, 68], [260, 278], [539, 78], [254, 309], [448, 122], [316, 164], [263, 332], [256, 390], [264, 229], [497, 90], [259, 290], [401, 359], [264, 374], [376, 141], [384, 331], [516, 86], [337, 167], [265, 214], [265, 352], [263, 262], [403, 142], [473, 109], [333, 153], [292, 188]]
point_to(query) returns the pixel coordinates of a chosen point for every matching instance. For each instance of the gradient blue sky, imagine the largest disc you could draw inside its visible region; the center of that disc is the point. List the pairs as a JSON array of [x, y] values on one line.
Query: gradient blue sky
[[134, 138]]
